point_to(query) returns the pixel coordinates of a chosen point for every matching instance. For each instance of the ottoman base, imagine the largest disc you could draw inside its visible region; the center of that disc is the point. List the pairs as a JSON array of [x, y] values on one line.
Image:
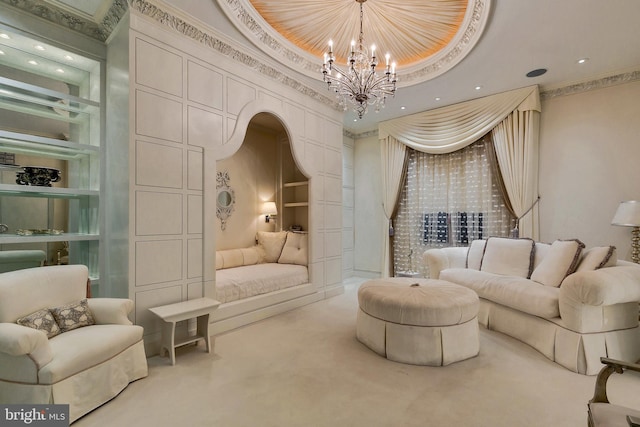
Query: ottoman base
[[419, 345]]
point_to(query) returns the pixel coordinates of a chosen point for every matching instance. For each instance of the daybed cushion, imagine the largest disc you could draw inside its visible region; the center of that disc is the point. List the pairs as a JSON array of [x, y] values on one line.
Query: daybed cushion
[[509, 257], [271, 242], [560, 261], [251, 280], [294, 250], [230, 258], [515, 292], [598, 257]]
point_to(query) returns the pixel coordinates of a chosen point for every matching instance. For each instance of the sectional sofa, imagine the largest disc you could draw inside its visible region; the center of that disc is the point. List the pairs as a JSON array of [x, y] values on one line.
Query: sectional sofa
[[571, 304]]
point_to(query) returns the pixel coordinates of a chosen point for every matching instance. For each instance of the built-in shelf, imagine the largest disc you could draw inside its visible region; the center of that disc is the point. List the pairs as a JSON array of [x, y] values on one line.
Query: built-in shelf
[[48, 192], [295, 184], [47, 238], [296, 204]]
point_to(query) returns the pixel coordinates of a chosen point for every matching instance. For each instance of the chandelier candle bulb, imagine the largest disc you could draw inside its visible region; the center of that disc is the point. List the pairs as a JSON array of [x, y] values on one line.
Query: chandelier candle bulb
[[387, 57]]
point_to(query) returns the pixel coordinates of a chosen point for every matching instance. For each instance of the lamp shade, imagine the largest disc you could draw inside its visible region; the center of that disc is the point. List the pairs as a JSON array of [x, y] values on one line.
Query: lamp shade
[[628, 214], [269, 208]]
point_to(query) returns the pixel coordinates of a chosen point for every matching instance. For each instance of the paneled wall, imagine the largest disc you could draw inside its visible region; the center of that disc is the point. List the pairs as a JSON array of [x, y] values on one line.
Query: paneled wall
[[348, 214], [183, 120]]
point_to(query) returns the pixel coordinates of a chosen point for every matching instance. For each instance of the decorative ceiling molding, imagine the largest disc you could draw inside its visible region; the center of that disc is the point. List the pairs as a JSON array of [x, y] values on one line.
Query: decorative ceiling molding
[[604, 82], [99, 31], [248, 21], [233, 51]]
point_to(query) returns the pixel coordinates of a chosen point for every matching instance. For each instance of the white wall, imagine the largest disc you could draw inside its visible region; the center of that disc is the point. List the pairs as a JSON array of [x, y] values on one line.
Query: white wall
[[589, 162], [348, 206], [368, 208]]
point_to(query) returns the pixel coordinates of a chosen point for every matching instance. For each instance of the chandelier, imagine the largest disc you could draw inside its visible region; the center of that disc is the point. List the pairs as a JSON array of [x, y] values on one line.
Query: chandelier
[[361, 85]]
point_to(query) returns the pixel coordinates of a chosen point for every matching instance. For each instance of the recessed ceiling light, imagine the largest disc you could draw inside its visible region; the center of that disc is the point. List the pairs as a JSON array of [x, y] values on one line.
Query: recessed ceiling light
[[582, 60], [60, 70], [478, 87], [4, 36], [437, 98], [355, 120], [39, 47], [68, 57], [32, 62], [1, 52], [537, 72], [403, 108]]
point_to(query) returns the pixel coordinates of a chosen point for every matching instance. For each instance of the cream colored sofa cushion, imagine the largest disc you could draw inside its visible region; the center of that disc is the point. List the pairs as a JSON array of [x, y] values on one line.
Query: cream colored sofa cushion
[[560, 261], [509, 257], [515, 292], [474, 256], [598, 257]]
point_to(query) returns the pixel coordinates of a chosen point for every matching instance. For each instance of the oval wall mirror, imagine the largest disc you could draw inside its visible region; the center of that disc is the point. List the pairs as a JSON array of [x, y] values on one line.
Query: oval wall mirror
[[225, 198]]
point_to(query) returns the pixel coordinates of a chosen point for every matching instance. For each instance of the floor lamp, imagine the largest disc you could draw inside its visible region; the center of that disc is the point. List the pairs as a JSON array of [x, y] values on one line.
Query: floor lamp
[[628, 215]]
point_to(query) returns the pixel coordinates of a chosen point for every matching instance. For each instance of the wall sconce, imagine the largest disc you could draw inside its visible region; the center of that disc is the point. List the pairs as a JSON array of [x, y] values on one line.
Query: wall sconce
[[628, 215], [269, 210]]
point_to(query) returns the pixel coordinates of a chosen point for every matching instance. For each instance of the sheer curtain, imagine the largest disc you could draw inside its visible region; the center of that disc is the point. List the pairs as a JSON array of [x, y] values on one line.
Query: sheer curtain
[[392, 172], [447, 200]]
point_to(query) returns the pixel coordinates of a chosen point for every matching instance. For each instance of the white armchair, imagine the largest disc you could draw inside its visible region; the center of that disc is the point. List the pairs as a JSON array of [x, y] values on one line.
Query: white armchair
[[83, 367]]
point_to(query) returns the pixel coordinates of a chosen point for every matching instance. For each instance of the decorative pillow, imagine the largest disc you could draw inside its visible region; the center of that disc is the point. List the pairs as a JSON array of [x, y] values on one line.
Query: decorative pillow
[[561, 260], [294, 250], [41, 320], [271, 243], [474, 255], [598, 257], [541, 251], [74, 315], [508, 257]]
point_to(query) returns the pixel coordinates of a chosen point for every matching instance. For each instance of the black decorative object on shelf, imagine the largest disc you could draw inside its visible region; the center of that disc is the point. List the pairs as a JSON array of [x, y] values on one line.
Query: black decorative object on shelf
[[38, 176]]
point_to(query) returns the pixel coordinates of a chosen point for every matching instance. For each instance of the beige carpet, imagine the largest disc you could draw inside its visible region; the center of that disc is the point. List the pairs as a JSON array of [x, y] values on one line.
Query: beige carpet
[[306, 368]]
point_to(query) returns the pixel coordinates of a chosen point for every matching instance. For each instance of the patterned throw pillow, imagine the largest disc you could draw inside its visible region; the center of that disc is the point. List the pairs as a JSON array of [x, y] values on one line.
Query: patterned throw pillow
[[74, 315], [41, 320]]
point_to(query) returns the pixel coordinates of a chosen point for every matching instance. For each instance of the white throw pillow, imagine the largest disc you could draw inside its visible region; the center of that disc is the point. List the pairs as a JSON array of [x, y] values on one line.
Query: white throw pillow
[[295, 249], [541, 251], [271, 243], [509, 257], [561, 260], [598, 257], [474, 255]]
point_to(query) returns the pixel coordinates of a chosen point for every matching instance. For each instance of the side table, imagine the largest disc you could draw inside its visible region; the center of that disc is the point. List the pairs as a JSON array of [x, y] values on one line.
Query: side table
[[200, 309]]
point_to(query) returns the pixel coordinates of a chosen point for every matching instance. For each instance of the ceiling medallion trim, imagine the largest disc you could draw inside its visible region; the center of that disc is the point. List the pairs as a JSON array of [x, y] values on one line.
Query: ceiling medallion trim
[[71, 21], [249, 22], [225, 48]]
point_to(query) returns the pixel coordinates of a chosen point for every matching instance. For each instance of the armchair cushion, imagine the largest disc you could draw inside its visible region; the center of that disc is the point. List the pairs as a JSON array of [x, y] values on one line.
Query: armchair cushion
[[73, 315], [111, 310], [41, 320]]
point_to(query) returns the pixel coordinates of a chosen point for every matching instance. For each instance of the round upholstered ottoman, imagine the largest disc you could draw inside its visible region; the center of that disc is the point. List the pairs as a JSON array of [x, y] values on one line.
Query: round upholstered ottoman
[[418, 321]]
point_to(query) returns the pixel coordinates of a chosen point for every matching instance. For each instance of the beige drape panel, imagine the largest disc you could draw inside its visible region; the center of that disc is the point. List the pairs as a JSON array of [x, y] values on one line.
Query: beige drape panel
[[451, 128], [516, 144], [393, 155]]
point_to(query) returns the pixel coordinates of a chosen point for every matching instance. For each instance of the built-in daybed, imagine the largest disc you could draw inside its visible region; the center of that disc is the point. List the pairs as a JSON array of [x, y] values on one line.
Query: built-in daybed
[[256, 282]]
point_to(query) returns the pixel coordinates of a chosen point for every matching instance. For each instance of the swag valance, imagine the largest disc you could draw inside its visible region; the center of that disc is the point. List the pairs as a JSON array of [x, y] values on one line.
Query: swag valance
[[452, 128]]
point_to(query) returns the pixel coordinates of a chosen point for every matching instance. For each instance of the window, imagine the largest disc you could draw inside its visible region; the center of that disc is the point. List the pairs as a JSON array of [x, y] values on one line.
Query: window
[[447, 200]]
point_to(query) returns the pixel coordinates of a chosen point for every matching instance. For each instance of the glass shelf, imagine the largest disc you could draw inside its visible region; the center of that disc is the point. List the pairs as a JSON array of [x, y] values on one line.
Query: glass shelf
[[295, 184], [49, 192], [31, 94], [47, 238], [34, 145]]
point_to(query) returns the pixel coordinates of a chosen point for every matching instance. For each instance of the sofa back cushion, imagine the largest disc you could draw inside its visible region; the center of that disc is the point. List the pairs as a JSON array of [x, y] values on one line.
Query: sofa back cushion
[[509, 257], [560, 261], [295, 249], [598, 257], [474, 255], [230, 258]]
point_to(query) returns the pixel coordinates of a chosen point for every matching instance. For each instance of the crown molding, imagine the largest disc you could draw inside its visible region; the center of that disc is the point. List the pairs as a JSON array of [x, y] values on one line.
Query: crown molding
[[604, 82], [207, 37], [98, 31]]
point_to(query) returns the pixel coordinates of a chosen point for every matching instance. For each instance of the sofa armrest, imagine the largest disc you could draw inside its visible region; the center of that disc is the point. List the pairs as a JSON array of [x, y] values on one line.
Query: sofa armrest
[[606, 286], [111, 310], [443, 258], [18, 340]]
